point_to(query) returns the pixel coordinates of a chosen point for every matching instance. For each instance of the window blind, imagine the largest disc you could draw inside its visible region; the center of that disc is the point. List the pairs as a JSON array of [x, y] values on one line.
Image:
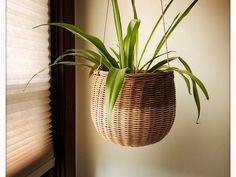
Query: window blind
[[2, 88], [29, 135]]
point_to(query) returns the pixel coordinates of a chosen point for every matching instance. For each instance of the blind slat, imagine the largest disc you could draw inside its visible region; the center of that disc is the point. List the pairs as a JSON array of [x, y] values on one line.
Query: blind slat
[[30, 125], [34, 86], [22, 97], [27, 144], [13, 124], [21, 151], [34, 3], [24, 12], [29, 136], [13, 108], [21, 51], [28, 115], [22, 141], [21, 41], [21, 167], [14, 86]]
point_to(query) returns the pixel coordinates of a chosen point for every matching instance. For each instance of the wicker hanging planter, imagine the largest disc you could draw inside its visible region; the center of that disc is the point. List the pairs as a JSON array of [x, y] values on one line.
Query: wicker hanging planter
[[144, 111], [141, 105]]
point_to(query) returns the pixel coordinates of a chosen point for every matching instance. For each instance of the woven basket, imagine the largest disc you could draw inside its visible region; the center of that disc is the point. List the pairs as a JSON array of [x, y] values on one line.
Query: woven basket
[[144, 111]]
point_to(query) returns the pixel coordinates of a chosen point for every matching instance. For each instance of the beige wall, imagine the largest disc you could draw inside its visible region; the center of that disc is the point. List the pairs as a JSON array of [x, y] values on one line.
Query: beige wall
[[189, 150]]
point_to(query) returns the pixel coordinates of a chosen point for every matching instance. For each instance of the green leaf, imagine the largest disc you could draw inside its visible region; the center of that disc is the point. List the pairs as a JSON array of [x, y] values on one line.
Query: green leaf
[[185, 64], [195, 82], [116, 54], [89, 38], [194, 78], [130, 42], [118, 25], [114, 82], [172, 27], [156, 67], [184, 14], [85, 56], [137, 36], [161, 43], [197, 101], [70, 63], [152, 32], [94, 56], [187, 83], [134, 9], [94, 67], [86, 52], [161, 63], [195, 90], [162, 67]]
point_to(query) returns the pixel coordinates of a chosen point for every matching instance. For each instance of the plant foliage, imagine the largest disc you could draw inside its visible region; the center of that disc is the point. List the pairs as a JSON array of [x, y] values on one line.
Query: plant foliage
[[126, 60]]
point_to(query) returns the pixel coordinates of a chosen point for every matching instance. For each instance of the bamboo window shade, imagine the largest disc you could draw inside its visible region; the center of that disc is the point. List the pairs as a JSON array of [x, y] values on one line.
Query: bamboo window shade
[[29, 135]]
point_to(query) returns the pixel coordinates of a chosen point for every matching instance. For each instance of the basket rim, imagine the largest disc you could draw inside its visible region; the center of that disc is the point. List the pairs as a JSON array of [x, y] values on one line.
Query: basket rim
[[104, 73]]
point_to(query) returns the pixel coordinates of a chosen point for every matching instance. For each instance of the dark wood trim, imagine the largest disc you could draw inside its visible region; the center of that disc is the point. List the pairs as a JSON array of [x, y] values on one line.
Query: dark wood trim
[[63, 91], [49, 173]]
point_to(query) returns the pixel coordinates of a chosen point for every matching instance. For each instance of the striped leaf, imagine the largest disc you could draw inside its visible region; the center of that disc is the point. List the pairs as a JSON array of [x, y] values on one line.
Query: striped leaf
[[130, 42], [85, 56], [158, 64], [195, 82], [89, 38], [114, 82], [116, 13]]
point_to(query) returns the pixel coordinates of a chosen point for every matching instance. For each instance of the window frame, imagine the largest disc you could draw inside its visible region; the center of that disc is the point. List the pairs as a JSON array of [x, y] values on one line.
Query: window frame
[[62, 92]]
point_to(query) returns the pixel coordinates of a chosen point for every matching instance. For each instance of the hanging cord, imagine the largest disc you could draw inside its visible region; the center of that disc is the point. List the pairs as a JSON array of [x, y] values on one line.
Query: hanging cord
[[104, 34], [164, 27], [105, 25]]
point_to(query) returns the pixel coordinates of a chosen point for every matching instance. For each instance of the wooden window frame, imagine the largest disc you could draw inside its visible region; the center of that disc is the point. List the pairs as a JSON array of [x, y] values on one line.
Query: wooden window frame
[[62, 92]]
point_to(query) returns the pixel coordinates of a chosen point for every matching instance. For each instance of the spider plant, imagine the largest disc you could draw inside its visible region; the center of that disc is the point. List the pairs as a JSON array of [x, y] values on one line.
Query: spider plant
[[126, 59]]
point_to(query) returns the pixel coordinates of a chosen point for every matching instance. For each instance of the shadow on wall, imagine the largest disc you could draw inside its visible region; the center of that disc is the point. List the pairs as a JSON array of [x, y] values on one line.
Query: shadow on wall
[[85, 154], [178, 157]]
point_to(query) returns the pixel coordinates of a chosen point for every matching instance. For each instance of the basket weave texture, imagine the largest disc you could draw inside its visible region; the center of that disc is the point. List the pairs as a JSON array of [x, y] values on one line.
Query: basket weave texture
[[144, 111]]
